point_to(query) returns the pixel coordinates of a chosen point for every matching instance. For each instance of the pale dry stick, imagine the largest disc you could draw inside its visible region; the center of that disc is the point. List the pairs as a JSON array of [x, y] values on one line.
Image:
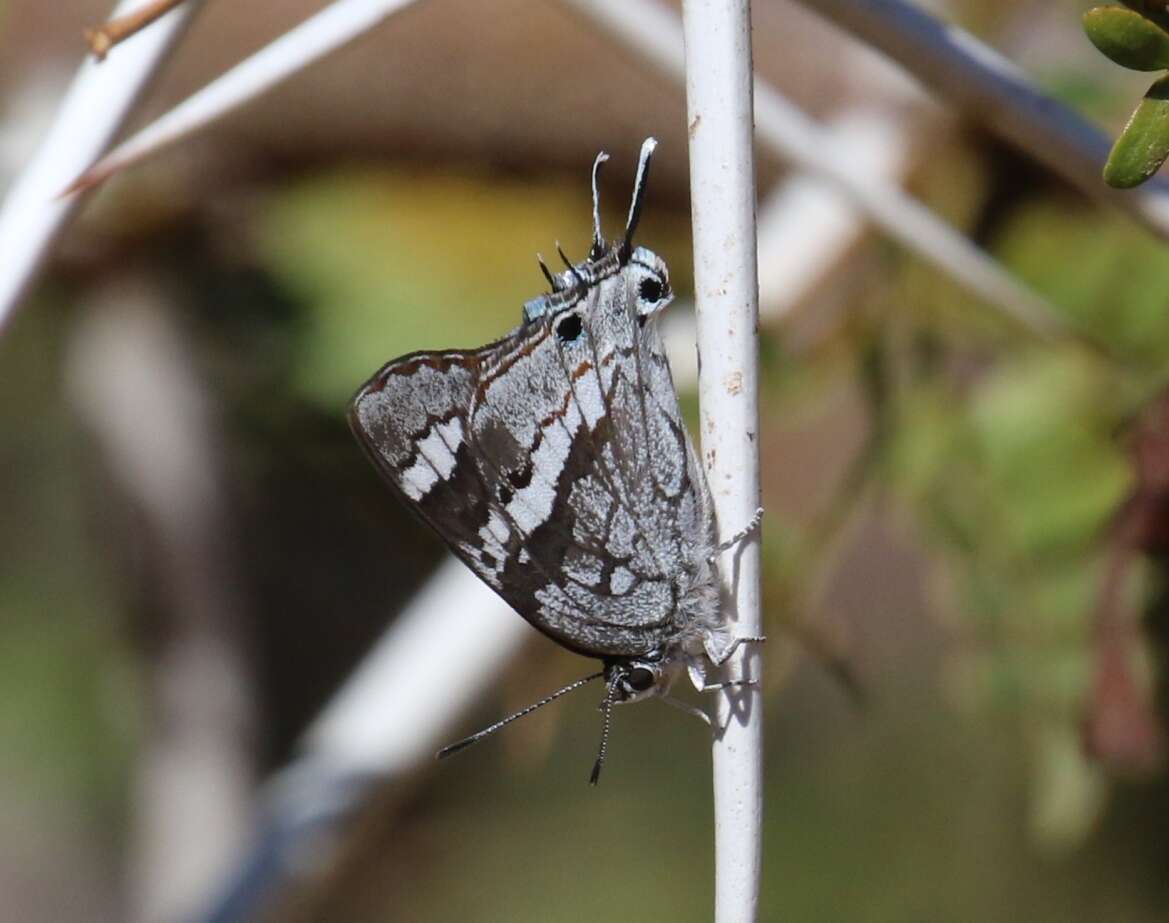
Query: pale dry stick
[[655, 33], [333, 27], [433, 664], [722, 202], [805, 229], [97, 104], [984, 85], [132, 381], [117, 30]]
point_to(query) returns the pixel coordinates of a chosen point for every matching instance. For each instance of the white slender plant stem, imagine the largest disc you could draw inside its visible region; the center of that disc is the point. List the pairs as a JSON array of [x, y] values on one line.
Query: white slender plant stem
[[132, 378], [101, 97], [333, 27], [722, 197], [404, 700]]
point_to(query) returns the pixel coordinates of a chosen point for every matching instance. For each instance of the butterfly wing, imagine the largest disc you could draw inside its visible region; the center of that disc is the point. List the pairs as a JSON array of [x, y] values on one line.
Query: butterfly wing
[[556, 465], [412, 419]]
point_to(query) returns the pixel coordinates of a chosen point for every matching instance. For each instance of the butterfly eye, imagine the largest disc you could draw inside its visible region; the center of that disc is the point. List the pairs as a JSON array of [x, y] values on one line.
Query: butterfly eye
[[650, 290], [569, 328], [640, 679]]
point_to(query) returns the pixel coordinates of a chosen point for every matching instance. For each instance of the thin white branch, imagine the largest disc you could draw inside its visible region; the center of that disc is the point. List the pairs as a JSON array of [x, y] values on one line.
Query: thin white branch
[[132, 380], [102, 95], [654, 32], [443, 652], [806, 226], [986, 86], [722, 201], [436, 661], [330, 29]]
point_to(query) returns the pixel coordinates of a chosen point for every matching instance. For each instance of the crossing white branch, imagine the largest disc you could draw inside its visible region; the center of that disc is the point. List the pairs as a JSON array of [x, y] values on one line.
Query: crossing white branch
[[98, 102], [654, 32], [298, 48]]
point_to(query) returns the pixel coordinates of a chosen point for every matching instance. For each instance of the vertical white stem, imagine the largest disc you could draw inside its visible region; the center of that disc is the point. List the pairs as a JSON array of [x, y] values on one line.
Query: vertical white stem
[[722, 191]]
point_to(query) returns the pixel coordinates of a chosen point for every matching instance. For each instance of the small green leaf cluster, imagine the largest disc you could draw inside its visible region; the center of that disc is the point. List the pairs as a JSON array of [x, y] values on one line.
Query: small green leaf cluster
[[1136, 36]]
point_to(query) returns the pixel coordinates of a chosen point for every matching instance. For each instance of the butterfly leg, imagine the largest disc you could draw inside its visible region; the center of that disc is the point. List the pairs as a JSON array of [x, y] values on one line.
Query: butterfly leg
[[697, 670], [731, 684], [686, 707], [718, 658], [740, 535]]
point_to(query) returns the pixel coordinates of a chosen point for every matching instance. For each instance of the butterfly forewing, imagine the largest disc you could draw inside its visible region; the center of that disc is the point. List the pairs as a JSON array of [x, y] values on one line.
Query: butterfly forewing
[[555, 463]]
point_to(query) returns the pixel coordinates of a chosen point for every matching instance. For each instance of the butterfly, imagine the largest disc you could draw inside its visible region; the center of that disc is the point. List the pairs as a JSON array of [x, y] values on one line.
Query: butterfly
[[556, 465]]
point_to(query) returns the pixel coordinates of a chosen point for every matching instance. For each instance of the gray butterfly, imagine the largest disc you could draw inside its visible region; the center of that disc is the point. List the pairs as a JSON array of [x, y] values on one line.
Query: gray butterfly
[[555, 463]]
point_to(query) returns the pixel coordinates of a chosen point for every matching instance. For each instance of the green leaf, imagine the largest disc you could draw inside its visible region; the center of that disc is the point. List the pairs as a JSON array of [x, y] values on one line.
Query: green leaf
[[1144, 143], [1153, 10], [1127, 38]]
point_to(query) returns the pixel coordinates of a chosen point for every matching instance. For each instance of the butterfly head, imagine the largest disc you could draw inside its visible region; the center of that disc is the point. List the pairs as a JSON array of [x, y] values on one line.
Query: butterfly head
[[608, 258], [636, 678]]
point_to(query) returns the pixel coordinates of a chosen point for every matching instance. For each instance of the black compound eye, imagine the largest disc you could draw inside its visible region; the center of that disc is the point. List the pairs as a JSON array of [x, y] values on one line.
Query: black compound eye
[[640, 679], [569, 328], [651, 290]]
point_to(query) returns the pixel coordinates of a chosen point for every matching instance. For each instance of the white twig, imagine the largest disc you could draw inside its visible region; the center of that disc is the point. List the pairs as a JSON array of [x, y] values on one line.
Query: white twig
[[132, 380], [806, 226], [97, 104], [443, 652], [984, 85], [722, 197], [330, 29], [429, 668]]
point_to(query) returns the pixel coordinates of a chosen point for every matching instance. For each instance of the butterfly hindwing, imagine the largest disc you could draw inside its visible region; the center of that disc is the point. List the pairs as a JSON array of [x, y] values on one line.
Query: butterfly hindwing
[[548, 466], [412, 418]]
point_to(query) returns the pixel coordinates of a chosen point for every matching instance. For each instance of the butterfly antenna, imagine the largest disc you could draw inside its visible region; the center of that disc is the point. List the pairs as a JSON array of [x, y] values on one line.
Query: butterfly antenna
[[567, 262], [547, 273], [647, 149], [607, 708], [487, 731], [598, 248]]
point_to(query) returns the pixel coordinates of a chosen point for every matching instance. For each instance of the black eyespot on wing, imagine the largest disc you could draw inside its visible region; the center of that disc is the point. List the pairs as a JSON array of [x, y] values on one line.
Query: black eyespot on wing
[[569, 328], [650, 290], [521, 477]]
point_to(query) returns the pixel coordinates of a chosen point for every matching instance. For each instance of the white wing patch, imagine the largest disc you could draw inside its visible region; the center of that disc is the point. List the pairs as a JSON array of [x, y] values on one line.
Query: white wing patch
[[621, 580]]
